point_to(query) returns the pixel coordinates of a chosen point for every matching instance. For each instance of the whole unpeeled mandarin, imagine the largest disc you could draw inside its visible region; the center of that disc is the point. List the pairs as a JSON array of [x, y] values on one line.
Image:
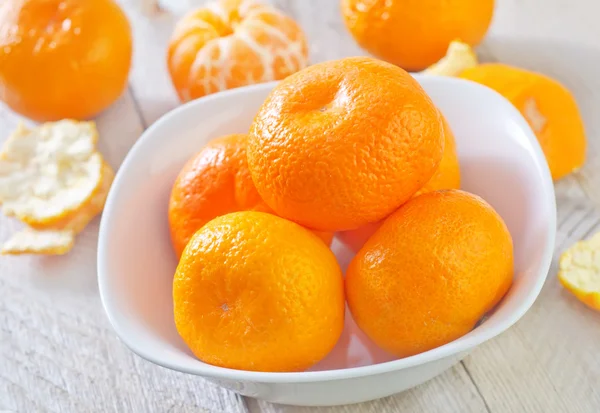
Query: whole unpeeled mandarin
[[344, 143], [414, 34], [214, 182], [63, 58], [447, 176], [254, 291], [429, 274]]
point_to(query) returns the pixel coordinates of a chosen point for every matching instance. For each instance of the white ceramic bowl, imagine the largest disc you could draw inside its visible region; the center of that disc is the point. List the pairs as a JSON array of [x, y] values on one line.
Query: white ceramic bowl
[[500, 160]]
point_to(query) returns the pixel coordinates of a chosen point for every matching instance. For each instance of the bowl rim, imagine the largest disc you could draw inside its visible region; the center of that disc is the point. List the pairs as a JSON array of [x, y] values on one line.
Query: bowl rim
[[215, 372]]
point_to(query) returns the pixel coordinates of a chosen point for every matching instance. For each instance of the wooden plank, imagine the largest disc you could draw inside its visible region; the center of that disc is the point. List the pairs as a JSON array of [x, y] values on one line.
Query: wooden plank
[[150, 82]]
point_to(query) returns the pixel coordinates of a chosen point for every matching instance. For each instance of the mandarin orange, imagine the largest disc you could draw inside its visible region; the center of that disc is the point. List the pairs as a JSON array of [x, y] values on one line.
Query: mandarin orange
[[231, 43], [344, 143], [254, 291], [447, 176], [63, 58], [214, 182], [428, 275], [415, 34]]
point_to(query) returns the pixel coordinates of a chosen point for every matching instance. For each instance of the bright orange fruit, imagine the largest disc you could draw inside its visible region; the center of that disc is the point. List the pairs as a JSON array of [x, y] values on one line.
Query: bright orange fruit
[[549, 108], [254, 291], [214, 182], [429, 274], [415, 34], [231, 43], [63, 58], [344, 143], [447, 176]]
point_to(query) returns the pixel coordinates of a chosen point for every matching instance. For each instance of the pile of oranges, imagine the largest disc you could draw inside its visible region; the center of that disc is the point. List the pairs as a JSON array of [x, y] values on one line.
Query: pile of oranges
[[355, 147]]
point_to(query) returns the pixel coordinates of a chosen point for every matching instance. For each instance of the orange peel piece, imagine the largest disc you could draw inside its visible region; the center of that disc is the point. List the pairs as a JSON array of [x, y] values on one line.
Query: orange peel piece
[[80, 218], [50, 171], [459, 57], [52, 179], [46, 242], [579, 271]]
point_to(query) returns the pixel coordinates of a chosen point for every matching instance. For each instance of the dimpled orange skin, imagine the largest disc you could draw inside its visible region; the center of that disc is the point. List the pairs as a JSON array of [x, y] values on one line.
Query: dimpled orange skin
[[429, 274], [214, 182], [254, 291], [63, 58], [549, 108], [343, 143], [231, 43], [447, 176], [414, 34]]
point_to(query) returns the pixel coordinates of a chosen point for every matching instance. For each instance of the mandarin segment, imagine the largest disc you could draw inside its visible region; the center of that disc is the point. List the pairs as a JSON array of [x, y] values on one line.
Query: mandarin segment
[[549, 108], [256, 292], [63, 58], [431, 272], [415, 34], [232, 43], [343, 143]]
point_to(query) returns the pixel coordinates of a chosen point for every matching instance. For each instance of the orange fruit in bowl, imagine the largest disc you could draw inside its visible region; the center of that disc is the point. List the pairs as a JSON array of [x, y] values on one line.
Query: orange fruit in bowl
[[426, 277], [254, 291], [447, 176], [549, 108], [63, 58], [231, 43], [415, 34], [214, 182], [344, 143]]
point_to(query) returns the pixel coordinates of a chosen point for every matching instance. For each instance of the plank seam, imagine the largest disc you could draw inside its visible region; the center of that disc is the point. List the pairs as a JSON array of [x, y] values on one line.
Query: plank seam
[[485, 403], [243, 402], [137, 107]]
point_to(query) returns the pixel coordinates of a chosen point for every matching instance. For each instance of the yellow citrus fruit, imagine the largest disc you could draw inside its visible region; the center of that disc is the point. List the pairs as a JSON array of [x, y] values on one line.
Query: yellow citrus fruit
[[254, 291]]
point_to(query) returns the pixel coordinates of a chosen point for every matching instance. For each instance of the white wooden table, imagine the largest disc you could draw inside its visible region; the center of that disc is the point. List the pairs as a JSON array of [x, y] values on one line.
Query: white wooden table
[[59, 354]]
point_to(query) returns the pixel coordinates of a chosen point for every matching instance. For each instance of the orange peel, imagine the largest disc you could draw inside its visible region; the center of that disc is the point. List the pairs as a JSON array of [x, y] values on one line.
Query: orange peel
[[579, 271], [53, 179], [459, 56]]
